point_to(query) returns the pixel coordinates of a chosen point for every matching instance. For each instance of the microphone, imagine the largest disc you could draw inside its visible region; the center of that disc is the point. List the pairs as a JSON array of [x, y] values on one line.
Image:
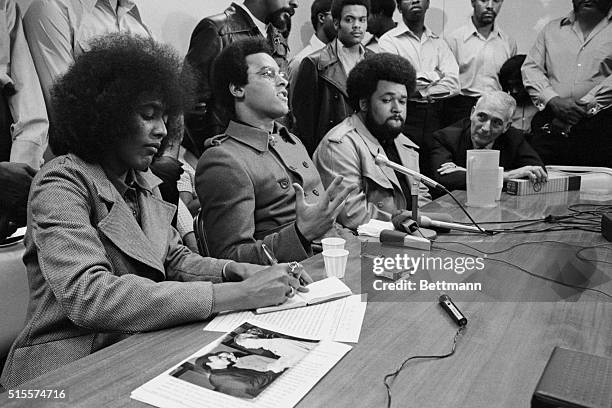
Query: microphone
[[426, 222], [381, 160]]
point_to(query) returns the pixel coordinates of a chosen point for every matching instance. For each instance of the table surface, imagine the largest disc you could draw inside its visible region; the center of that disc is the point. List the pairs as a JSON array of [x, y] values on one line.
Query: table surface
[[499, 357]]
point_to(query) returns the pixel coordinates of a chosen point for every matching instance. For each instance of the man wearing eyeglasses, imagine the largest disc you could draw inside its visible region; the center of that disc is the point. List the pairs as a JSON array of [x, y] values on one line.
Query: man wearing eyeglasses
[[257, 184], [265, 19], [488, 127]]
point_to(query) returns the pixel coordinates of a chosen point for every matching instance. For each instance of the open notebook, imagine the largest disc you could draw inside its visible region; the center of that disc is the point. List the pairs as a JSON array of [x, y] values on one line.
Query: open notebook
[[319, 292]]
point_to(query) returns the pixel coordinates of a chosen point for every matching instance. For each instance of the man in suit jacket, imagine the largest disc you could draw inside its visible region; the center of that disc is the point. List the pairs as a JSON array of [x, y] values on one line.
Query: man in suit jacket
[[264, 19], [247, 173], [102, 260], [319, 100], [488, 127], [378, 89]]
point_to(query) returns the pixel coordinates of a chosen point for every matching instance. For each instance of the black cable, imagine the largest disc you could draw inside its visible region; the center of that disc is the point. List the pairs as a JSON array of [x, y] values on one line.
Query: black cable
[[466, 212], [394, 374], [532, 274]]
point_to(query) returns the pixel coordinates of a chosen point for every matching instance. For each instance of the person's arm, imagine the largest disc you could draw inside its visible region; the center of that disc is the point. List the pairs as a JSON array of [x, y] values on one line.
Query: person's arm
[[305, 103], [445, 78], [340, 158], [204, 47], [30, 123], [440, 155], [600, 96], [229, 213], [535, 73], [49, 33]]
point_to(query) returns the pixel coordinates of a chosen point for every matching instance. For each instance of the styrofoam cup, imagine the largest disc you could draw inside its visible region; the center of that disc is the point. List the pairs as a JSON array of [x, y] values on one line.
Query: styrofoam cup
[[332, 243], [335, 262]]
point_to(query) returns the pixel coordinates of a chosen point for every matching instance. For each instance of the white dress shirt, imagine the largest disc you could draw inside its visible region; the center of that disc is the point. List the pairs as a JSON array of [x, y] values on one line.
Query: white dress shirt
[[30, 124], [563, 63], [60, 30], [480, 58], [437, 70]]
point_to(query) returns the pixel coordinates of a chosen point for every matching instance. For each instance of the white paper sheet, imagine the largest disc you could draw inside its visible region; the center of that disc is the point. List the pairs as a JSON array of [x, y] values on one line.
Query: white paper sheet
[[165, 391], [338, 320]]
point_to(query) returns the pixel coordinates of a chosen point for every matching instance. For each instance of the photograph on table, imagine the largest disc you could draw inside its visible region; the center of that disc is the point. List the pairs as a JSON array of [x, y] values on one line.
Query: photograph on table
[[247, 360]]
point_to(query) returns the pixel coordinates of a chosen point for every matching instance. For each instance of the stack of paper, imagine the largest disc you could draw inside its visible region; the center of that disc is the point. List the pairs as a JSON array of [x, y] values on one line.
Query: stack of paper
[[373, 228]]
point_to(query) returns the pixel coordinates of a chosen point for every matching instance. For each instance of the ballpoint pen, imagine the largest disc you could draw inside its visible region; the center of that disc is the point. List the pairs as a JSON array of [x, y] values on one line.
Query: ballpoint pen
[[292, 265]]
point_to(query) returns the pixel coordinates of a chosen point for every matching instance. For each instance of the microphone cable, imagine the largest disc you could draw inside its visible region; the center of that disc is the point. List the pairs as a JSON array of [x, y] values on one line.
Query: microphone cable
[[578, 255], [482, 230], [390, 378]]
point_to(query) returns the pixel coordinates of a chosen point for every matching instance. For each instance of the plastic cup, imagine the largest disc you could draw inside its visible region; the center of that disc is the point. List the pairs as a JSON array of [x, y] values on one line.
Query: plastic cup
[[335, 262], [332, 243], [482, 177]]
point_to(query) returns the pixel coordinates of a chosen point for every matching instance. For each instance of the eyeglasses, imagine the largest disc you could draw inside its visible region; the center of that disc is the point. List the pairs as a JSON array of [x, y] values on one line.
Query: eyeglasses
[[271, 74]]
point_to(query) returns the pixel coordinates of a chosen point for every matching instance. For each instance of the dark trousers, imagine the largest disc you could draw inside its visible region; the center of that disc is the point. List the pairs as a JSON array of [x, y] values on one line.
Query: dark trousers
[[587, 143], [421, 121], [457, 108]]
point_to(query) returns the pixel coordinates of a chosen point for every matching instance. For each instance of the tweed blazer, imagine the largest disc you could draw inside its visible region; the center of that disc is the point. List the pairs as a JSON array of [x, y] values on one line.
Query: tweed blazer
[[246, 180], [452, 143], [349, 150], [95, 274]]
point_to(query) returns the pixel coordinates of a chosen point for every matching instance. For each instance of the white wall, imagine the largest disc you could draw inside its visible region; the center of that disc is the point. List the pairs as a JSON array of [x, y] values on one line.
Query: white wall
[[173, 21]]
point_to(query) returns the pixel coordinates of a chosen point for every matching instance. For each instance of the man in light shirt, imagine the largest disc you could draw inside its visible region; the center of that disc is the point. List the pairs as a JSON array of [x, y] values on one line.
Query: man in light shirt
[[437, 73], [480, 48], [23, 120], [59, 30], [323, 25], [568, 75], [319, 99]]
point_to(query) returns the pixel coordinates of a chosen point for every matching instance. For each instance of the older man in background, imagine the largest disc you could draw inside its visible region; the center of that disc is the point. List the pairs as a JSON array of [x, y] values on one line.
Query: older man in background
[[488, 127]]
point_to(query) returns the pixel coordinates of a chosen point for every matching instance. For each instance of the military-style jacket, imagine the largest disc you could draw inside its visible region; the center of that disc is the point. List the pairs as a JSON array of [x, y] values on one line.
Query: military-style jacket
[[244, 181]]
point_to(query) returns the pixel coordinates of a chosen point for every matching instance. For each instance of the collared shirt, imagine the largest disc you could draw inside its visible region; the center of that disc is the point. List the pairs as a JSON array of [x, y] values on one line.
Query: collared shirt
[[261, 26], [128, 190], [480, 58], [563, 63], [370, 41], [60, 30], [30, 123], [349, 58], [437, 70], [314, 45]]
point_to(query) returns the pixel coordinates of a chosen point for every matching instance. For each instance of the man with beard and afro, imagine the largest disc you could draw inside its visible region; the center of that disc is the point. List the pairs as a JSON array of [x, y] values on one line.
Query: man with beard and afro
[[378, 89], [266, 19]]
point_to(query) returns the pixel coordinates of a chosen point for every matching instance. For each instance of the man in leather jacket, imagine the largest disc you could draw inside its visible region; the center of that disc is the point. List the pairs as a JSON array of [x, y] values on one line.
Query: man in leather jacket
[[268, 19]]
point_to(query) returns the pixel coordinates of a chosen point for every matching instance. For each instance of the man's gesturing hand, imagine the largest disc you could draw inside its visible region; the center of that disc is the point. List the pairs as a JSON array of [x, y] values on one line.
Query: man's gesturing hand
[[314, 220]]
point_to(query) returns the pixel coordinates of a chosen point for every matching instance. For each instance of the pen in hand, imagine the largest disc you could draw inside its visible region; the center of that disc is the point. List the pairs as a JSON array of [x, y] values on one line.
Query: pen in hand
[[293, 265]]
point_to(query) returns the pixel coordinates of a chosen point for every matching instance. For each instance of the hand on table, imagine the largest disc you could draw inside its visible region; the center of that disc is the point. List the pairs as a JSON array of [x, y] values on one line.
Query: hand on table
[[449, 167], [535, 174]]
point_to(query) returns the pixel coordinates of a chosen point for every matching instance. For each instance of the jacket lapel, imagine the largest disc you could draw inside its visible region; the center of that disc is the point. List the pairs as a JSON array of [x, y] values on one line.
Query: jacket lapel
[[331, 69], [122, 229], [407, 151], [375, 148]]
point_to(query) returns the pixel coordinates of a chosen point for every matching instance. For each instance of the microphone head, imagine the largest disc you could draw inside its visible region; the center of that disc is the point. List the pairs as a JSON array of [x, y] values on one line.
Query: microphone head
[[380, 159]]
